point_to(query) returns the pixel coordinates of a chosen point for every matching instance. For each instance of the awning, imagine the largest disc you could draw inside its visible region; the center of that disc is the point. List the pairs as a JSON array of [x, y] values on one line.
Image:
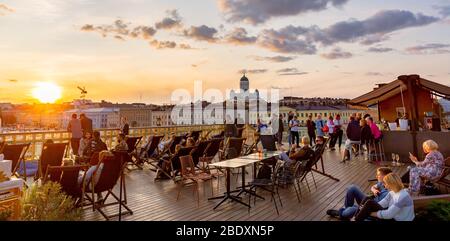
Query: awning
[[394, 88]]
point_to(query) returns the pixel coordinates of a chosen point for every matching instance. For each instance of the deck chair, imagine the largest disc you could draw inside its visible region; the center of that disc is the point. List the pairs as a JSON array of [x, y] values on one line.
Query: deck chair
[[171, 166], [199, 151], [110, 175], [177, 140], [240, 131], [305, 168], [133, 143], [234, 147], [268, 142], [151, 150], [211, 151], [68, 178], [52, 155], [249, 149], [195, 135], [16, 153], [443, 180], [190, 176]]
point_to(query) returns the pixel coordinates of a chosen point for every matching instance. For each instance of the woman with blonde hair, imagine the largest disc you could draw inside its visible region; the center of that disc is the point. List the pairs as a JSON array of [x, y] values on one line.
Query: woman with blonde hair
[[431, 168], [397, 205]]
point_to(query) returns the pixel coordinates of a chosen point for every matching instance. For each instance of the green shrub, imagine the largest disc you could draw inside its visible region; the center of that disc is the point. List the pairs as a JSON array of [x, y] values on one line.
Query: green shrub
[[48, 203], [438, 210]]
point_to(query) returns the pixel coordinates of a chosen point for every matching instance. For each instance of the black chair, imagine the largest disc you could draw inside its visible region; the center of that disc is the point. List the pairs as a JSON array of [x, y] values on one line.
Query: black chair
[[133, 143], [267, 180], [67, 177], [52, 155], [16, 153], [268, 142], [111, 173]]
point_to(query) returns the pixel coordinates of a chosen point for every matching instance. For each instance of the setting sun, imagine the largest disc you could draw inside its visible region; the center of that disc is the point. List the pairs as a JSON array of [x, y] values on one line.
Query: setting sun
[[46, 92]]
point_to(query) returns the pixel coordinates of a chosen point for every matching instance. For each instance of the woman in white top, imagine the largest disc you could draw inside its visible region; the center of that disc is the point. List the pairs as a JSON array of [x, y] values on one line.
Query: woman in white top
[[397, 205]]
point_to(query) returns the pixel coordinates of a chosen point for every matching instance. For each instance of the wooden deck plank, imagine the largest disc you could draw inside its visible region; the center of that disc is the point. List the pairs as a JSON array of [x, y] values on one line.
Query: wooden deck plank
[[152, 200]]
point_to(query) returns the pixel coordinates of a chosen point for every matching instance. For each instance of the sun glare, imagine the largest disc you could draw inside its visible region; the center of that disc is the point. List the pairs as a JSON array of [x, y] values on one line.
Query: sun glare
[[46, 92]]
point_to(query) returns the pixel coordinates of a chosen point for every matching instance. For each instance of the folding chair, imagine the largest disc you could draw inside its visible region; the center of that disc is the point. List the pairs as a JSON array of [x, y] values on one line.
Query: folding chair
[[234, 147], [195, 135], [16, 153], [151, 150], [211, 151], [169, 167], [199, 151], [52, 155], [110, 174], [189, 175], [268, 184], [132, 143], [306, 167], [268, 142], [68, 178]]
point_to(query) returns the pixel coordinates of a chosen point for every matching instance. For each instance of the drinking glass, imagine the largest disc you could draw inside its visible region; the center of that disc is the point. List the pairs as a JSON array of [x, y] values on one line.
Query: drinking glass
[[397, 158], [393, 158]]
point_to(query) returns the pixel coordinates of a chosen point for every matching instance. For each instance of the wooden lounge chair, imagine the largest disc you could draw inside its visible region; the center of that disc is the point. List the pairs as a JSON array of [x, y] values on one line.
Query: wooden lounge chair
[[306, 167], [133, 143], [171, 166], [199, 151], [209, 154], [52, 155], [443, 179], [112, 171], [67, 177], [151, 149], [268, 142], [233, 148], [190, 176], [195, 135], [16, 153]]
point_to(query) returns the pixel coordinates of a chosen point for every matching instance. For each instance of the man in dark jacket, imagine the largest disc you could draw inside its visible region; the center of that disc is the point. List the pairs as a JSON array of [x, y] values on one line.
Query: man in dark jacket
[[353, 137], [86, 123], [311, 125]]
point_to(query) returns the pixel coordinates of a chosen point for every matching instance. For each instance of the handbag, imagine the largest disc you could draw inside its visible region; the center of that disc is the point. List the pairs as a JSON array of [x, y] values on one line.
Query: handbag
[[325, 128]]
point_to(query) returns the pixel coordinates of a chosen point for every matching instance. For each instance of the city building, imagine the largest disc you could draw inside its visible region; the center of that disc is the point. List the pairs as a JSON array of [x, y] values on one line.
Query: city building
[[138, 116], [101, 117]]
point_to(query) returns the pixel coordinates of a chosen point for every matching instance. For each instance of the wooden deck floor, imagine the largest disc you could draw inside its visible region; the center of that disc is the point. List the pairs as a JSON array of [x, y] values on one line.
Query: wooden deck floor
[[152, 200]]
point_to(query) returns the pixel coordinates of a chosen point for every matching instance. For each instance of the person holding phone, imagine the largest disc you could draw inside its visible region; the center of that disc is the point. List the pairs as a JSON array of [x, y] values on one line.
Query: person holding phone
[[430, 168]]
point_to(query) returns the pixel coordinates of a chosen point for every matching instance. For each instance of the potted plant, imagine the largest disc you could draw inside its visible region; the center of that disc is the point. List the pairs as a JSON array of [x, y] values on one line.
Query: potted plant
[[438, 210], [47, 202]]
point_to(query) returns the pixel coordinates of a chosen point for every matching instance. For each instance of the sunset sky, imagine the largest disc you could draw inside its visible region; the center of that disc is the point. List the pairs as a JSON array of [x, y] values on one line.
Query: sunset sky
[[141, 50]]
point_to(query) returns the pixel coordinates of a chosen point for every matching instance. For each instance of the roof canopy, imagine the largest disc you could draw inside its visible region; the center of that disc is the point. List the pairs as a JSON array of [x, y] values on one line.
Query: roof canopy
[[395, 87]]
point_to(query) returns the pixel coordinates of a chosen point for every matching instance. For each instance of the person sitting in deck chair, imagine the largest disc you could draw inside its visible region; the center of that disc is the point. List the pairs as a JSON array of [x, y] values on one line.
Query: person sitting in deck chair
[[431, 168], [354, 193], [97, 170], [122, 143], [295, 154]]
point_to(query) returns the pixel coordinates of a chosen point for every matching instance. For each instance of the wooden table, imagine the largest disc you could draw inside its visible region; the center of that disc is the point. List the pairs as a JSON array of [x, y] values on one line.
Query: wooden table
[[10, 194]]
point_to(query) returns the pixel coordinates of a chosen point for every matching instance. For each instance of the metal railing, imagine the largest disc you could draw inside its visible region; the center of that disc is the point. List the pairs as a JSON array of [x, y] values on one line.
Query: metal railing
[[109, 136]]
